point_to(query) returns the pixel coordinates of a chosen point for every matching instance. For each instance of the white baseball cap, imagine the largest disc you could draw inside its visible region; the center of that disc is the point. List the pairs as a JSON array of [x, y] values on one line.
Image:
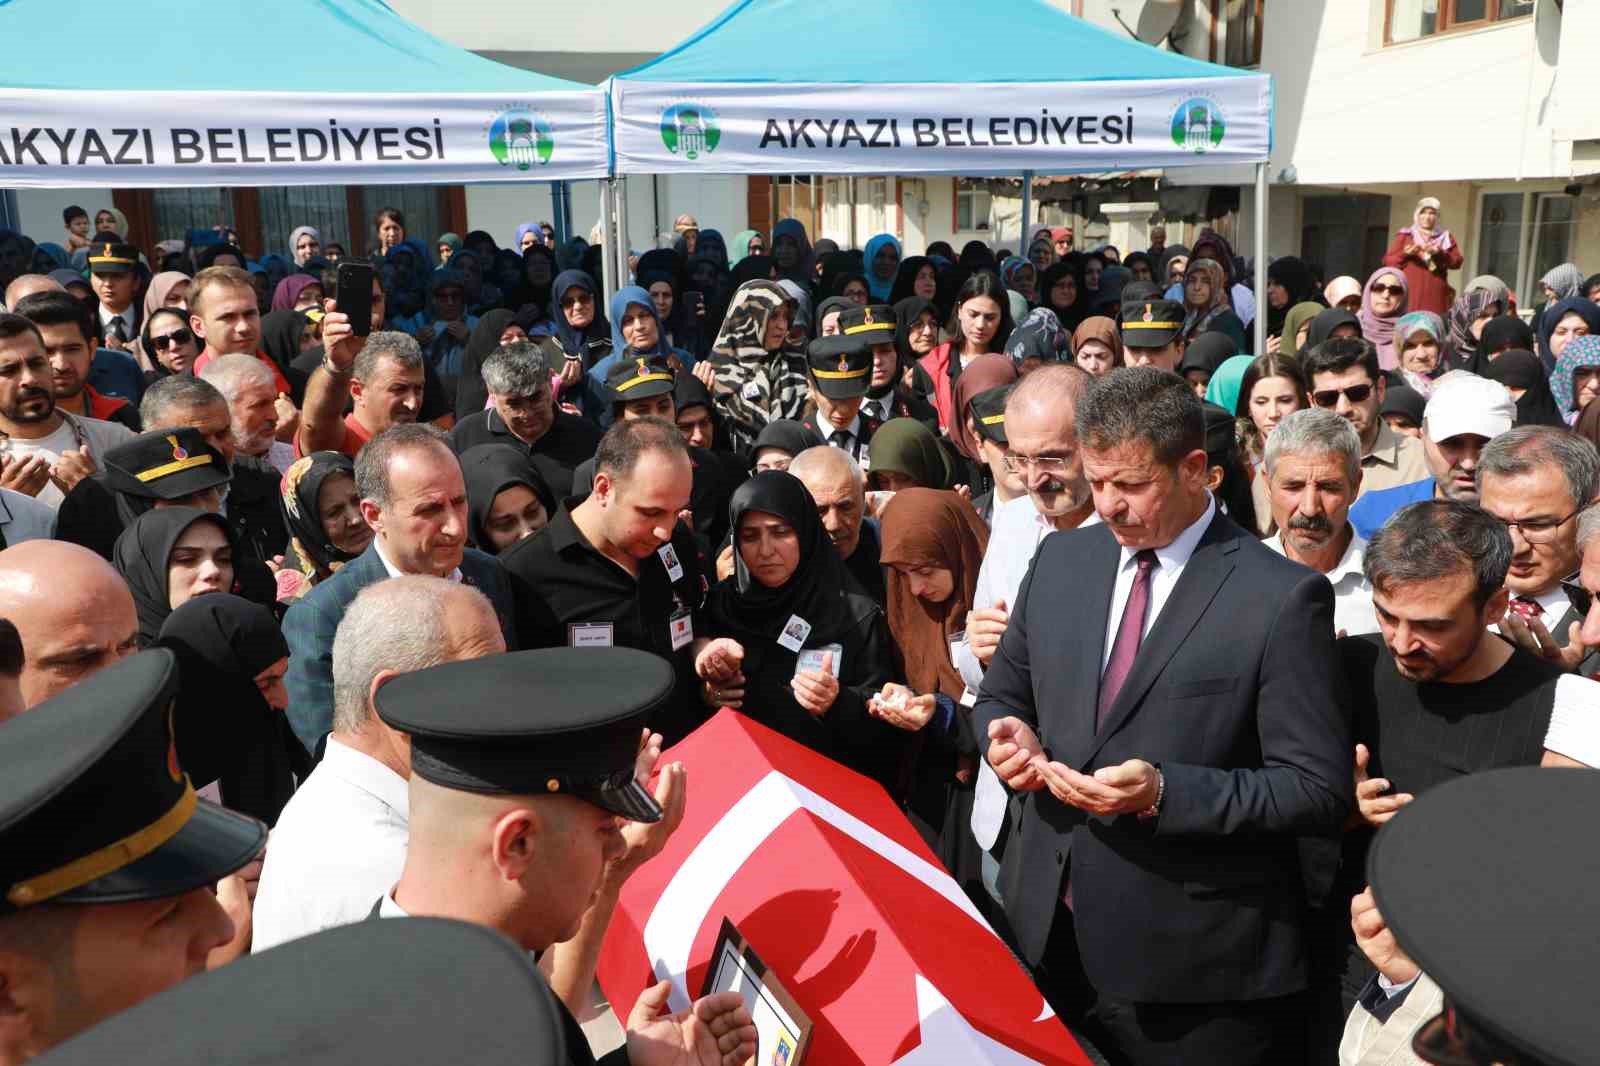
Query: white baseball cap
[[1463, 402]]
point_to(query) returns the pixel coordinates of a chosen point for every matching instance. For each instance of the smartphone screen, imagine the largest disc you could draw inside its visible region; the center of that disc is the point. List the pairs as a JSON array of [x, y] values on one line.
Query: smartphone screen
[[355, 296]]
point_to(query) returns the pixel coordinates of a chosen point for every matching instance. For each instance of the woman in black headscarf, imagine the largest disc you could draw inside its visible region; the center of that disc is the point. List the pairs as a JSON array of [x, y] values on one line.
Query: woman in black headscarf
[[1289, 282], [495, 328], [778, 444], [659, 275], [169, 556], [283, 338], [698, 418], [918, 276], [1500, 334], [1061, 290], [507, 499], [806, 647], [229, 722], [322, 514], [538, 271], [1324, 325], [1520, 372]]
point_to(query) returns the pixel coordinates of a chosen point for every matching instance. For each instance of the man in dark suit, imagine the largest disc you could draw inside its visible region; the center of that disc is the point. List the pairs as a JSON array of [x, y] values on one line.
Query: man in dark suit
[[414, 498], [1172, 726], [1536, 480]]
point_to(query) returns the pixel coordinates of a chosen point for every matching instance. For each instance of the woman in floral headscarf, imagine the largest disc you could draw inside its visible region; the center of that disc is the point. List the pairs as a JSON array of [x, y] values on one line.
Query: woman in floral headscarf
[[1425, 253], [322, 513], [755, 376]]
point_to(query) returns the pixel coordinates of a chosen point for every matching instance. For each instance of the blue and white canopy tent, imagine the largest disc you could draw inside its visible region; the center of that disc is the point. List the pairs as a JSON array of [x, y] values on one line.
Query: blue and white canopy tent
[[305, 92], [796, 87]]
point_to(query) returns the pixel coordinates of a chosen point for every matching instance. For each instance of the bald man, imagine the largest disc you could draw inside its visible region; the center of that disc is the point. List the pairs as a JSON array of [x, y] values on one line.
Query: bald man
[[27, 284], [72, 610], [839, 489], [340, 842]]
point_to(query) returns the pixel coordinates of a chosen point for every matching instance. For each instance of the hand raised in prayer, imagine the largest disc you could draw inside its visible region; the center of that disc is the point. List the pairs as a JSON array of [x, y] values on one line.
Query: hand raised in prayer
[[706, 373], [716, 1030], [1376, 808], [1531, 635], [1128, 788], [985, 627], [815, 690], [27, 474], [1013, 747], [1377, 943], [644, 763], [71, 468], [902, 709], [719, 660]]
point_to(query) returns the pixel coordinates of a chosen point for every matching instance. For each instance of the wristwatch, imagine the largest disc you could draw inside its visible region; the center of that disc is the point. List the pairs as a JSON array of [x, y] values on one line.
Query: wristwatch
[[333, 370]]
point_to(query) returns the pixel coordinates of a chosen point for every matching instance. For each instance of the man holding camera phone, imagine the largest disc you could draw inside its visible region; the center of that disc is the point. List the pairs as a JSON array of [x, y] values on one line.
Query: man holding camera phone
[[379, 375]]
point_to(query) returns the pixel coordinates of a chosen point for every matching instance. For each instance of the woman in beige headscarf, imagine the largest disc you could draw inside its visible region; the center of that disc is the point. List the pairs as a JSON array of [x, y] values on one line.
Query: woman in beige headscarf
[[167, 289]]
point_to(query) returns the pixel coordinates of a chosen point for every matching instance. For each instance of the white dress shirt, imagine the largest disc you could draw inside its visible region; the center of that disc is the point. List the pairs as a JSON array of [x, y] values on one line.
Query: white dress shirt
[[339, 844], [1015, 532], [393, 571], [1164, 576], [126, 314], [1353, 613], [1574, 731], [852, 445]]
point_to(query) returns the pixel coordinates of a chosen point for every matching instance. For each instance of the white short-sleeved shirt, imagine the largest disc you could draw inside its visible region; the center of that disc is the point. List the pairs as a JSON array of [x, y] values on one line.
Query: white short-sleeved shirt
[[339, 844]]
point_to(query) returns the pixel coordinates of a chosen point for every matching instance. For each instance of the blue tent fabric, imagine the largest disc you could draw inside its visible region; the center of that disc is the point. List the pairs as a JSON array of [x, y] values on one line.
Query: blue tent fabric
[[886, 41], [303, 46]]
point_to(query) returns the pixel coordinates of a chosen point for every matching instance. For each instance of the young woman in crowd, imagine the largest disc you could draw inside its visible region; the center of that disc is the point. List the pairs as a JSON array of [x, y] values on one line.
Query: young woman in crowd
[[792, 640], [1096, 347], [507, 499], [906, 454], [933, 546], [1272, 388], [1563, 322], [170, 555], [981, 323], [171, 342], [1205, 302], [753, 372], [982, 374], [322, 513]]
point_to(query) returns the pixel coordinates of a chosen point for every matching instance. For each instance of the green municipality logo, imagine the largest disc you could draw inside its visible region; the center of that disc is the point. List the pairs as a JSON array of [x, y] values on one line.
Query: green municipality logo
[[690, 130], [1197, 125], [521, 138]]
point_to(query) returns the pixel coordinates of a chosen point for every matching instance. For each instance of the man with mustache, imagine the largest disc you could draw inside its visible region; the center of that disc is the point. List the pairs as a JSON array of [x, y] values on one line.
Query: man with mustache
[[1313, 468]]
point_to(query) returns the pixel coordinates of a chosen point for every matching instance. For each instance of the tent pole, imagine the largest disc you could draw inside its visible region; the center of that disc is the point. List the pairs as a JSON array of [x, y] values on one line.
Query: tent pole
[[1027, 207], [558, 204], [1260, 324], [608, 247], [623, 248], [852, 180]]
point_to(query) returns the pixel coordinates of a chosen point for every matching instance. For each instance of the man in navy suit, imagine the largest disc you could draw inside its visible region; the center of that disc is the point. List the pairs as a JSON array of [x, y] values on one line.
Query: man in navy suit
[[414, 498], [1171, 728]]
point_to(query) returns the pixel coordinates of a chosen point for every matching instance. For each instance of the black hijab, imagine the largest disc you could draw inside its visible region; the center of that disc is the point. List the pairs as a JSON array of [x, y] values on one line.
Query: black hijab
[[1552, 316], [141, 556], [158, 369], [753, 268], [280, 337], [526, 291], [905, 278], [906, 313], [1502, 333], [472, 395], [1518, 368], [300, 501], [574, 341], [818, 591], [223, 726], [1071, 315], [1293, 274], [1326, 322], [490, 469], [786, 435]]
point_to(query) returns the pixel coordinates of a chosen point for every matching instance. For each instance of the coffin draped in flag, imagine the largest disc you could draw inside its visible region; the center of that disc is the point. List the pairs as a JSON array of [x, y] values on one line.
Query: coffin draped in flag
[[837, 893]]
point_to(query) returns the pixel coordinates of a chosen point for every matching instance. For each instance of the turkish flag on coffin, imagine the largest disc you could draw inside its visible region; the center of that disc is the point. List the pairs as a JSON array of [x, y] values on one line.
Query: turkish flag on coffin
[[822, 873]]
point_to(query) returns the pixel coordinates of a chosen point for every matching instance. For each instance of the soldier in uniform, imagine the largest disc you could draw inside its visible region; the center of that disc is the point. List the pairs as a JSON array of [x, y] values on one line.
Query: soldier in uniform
[[522, 781], [107, 857], [839, 373], [1152, 334]]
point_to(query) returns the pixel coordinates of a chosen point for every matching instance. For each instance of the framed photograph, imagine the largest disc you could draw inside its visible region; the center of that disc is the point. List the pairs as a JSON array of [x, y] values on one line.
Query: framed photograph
[[784, 1029]]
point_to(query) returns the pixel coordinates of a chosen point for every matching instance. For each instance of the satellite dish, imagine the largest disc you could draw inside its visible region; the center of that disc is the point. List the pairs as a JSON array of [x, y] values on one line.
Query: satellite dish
[[1149, 21], [1547, 29]]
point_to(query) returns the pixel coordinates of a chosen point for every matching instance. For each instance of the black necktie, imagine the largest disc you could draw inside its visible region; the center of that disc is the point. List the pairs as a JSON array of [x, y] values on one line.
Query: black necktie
[[119, 331], [840, 438]]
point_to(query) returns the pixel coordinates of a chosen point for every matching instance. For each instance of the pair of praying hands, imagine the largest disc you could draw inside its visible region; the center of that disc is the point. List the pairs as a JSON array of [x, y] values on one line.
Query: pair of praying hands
[[1019, 760]]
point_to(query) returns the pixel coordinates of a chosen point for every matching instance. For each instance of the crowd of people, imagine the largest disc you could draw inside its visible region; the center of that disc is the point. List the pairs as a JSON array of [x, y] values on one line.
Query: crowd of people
[[426, 596]]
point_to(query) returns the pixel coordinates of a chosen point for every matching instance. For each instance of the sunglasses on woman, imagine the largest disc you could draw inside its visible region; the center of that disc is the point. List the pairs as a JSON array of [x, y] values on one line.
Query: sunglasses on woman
[[181, 335], [1392, 290], [1330, 397]]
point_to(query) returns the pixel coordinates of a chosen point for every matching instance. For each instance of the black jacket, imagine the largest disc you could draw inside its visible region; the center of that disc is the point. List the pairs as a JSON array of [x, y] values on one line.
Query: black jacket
[[1236, 696]]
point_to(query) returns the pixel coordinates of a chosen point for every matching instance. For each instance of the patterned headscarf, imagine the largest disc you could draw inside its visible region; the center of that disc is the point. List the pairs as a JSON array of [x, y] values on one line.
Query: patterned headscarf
[[1579, 352], [1419, 322], [1566, 281], [1461, 345], [753, 385]]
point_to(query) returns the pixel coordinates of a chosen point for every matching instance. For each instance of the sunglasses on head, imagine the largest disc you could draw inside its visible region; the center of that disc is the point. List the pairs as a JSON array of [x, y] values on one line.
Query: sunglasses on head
[[1392, 290], [181, 335], [1330, 397]]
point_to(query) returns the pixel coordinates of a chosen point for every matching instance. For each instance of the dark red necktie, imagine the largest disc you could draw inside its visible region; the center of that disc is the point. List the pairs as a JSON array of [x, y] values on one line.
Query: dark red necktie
[[1526, 609], [1129, 633]]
